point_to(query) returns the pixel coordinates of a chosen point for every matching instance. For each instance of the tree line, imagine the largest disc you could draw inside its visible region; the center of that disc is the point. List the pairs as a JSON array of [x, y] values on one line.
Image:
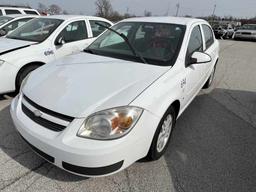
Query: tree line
[[105, 9]]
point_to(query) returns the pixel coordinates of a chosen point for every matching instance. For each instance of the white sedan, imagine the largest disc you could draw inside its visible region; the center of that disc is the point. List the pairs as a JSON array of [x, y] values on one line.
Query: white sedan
[[96, 113], [43, 40]]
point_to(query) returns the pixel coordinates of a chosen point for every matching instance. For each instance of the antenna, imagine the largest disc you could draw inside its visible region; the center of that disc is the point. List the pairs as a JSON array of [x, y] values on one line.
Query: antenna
[[214, 9], [168, 9]]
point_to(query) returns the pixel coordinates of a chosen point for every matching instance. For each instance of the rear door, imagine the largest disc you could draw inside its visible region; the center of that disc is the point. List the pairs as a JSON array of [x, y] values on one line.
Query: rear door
[[210, 47], [75, 35]]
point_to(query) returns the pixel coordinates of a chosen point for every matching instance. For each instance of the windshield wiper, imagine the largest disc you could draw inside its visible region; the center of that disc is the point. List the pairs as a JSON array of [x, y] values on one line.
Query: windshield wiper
[[88, 51], [134, 51]]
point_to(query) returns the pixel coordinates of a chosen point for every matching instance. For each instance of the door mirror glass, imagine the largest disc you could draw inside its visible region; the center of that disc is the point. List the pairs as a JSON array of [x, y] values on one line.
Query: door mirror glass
[[199, 58], [3, 32], [60, 41]]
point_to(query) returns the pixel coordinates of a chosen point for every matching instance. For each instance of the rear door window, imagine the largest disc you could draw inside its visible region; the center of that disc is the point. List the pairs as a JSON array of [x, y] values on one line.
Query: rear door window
[[30, 12], [96, 29]]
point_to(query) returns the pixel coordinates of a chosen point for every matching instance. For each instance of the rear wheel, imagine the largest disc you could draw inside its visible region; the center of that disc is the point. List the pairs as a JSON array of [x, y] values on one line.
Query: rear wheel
[[162, 136], [23, 74]]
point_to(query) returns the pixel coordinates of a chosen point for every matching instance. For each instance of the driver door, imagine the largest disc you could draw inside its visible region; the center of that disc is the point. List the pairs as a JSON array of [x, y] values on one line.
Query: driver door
[[75, 39]]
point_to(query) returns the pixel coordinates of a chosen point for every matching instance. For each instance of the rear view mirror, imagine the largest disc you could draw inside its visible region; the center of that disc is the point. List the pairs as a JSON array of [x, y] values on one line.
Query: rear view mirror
[[3, 32], [60, 41], [199, 58]]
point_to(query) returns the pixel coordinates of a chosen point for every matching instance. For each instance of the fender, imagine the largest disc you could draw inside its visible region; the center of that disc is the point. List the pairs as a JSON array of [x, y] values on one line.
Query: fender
[[171, 85]]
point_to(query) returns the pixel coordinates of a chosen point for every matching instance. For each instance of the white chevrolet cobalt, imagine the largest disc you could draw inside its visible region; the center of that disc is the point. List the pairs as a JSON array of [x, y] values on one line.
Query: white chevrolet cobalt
[[95, 113], [42, 40]]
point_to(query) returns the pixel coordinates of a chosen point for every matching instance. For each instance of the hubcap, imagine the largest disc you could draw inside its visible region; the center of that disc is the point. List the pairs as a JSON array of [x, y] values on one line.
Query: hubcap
[[164, 133]]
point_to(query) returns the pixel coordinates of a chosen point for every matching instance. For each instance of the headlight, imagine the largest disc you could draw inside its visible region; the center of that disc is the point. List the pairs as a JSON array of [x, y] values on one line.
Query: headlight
[[1, 62], [110, 124]]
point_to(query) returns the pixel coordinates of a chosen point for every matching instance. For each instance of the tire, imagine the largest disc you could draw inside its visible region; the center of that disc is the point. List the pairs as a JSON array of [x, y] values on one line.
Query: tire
[[168, 122], [23, 74], [209, 82]]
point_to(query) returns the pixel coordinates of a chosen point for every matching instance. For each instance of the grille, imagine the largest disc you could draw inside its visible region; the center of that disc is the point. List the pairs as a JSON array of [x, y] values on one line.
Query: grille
[[49, 119]]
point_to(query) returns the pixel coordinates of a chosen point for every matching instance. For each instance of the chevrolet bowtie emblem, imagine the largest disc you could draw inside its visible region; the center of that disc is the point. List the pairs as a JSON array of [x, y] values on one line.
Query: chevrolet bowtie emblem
[[37, 113]]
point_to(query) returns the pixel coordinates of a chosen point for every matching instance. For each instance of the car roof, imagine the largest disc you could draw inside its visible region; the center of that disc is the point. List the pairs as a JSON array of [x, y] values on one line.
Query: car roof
[[19, 16], [172, 20], [68, 17], [14, 7]]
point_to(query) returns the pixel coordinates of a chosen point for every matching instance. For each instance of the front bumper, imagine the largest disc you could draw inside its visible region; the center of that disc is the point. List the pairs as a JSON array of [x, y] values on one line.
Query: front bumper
[[8, 74], [85, 157]]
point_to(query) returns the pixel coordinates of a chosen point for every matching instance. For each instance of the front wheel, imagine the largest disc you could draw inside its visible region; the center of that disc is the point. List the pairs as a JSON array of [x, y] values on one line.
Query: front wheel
[[162, 136]]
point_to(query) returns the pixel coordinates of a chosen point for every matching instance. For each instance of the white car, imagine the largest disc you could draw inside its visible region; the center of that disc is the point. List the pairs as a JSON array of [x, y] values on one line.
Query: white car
[[40, 41], [10, 10], [96, 113], [246, 32], [12, 22]]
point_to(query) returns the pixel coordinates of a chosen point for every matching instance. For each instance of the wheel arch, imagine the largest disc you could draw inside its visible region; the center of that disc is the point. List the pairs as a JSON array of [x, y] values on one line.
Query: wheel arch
[[34, 63], [176, 105]]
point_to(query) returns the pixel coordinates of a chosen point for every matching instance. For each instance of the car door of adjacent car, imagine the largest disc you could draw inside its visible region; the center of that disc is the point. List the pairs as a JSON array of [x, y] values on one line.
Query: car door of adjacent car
[[75, 37], [195, 73]]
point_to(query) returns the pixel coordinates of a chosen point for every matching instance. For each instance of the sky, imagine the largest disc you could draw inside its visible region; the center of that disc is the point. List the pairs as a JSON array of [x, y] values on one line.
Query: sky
[[237, 8]]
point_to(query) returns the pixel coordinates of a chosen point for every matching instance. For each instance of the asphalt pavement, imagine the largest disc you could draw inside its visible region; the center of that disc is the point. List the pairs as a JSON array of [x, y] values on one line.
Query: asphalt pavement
[[213, 147]]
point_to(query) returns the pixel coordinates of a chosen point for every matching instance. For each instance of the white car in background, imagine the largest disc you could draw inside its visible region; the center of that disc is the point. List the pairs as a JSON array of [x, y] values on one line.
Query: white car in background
[[96, 113], [40, 41], [246, 32], [10, 10], [11, 22]]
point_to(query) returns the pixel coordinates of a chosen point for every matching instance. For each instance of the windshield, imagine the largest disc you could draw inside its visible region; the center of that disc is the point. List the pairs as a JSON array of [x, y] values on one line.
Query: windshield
[[36, 30], [4, 19], [249, 27], [157, 43]]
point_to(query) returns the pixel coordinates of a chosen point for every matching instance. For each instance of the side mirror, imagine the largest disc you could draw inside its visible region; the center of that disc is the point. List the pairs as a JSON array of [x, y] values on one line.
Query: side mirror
[[199, 58], [3, 32], [60, 41]]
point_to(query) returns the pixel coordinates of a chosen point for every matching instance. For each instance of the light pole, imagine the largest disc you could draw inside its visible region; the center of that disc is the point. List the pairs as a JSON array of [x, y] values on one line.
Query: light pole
[[178, 8], [214, 9]]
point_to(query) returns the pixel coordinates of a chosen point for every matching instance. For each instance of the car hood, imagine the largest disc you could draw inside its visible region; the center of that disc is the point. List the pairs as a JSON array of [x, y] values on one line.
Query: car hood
[[9, 45], [82, 84]]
